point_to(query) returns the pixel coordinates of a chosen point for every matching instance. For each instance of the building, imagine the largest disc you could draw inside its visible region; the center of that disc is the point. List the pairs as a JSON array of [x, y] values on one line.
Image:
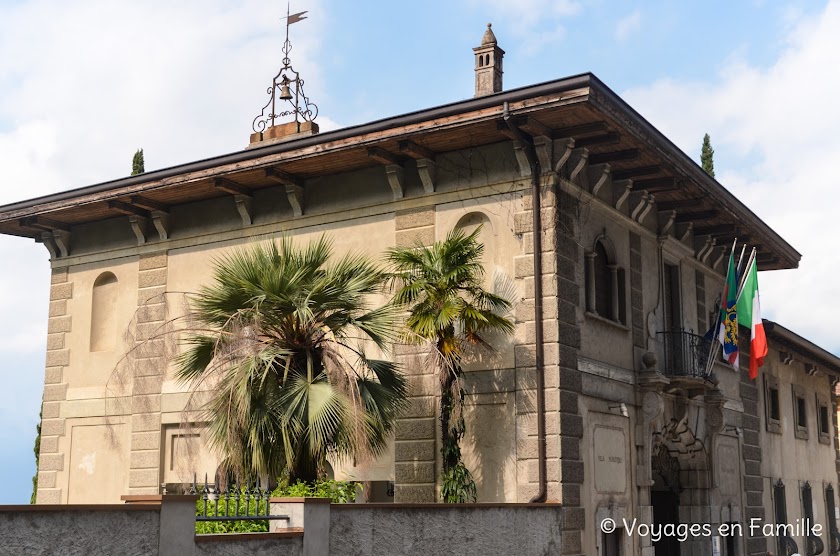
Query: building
[[612, 414]]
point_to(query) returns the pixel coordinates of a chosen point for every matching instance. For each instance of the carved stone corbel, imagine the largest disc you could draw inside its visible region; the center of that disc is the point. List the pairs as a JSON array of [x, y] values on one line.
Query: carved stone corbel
[[719, 258], [160, 220], [685, 232], [650, 201], [522, 159], [563, 150], [139, 225], [396, 175], [544, 147], [245, 208], [49, 242], [666, 222], [62, 241], [621, 192], [426, 169], [577, 162], [638, 200], [598, 175], [425, 160]]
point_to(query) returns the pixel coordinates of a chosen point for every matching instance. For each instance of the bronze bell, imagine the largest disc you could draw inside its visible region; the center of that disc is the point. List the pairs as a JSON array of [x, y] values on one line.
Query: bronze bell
[[285, 93]]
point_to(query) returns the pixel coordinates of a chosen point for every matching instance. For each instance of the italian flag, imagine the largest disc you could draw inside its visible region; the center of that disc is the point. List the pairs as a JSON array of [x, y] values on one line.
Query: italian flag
[[749, 311]]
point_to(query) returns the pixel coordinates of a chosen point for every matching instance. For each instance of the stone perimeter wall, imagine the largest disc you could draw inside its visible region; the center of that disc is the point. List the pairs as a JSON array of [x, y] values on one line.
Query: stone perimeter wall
[[357, 530], [167, 528], [93, 531]]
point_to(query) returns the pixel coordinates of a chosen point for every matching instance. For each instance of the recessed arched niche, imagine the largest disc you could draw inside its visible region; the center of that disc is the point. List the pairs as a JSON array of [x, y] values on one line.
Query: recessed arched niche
[[469, 223], [103, 312]]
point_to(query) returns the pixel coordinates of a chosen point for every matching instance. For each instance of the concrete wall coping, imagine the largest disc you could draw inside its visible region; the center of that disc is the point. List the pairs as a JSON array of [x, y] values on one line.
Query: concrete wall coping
[[292, 532], [78, 507], [299, 500], [404, 506], [157, 498]]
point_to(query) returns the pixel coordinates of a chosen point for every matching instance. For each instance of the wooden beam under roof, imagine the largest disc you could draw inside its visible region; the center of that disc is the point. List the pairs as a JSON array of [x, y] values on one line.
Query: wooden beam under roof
[[612, 137], [600, 158], [699, 215], [147, 204], [383, 156], [678, 204], [416, 151], [128, 209], [655, 185], [636, 172], [283, 178], [229, 186], [535, 127], [580, 130], [41, 223], [716, 229]]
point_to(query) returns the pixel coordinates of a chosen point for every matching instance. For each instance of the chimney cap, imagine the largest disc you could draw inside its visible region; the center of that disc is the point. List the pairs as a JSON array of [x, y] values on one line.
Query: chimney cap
[[489, 37]]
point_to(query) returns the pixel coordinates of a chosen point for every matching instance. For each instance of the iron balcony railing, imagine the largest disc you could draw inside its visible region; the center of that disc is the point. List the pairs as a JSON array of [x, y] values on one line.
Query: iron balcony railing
[[686, 354], [234, 503]]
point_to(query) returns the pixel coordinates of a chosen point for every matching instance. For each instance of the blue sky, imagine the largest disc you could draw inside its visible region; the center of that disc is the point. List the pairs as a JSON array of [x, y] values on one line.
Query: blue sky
[[83, 84]]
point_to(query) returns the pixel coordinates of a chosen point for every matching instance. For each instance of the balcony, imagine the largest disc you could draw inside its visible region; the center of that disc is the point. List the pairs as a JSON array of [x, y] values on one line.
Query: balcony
[[686, 356]]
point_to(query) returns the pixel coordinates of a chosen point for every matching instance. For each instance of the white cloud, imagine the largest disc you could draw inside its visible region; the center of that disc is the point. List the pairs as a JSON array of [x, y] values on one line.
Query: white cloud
[[781, 122], [85, 83], [628, 25], [534, 23]]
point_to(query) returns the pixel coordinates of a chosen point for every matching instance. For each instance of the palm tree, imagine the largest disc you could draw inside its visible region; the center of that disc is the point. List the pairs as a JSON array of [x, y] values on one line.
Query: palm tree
[[442, 288], [277, 339]]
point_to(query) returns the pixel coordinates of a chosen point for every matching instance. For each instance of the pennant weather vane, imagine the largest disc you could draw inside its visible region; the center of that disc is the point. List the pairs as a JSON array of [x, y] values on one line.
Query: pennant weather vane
[[286, 94]]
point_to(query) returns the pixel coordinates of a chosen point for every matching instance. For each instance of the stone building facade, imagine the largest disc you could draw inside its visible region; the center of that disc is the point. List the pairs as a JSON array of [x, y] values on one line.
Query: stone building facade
[[633, 238]]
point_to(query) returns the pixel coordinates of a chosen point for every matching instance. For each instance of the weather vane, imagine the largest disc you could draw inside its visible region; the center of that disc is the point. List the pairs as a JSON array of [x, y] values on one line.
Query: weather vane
[[291, 102]]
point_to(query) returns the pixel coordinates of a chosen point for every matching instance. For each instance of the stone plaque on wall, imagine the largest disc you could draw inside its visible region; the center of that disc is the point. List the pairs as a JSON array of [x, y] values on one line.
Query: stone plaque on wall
[[729, 466], [609, 460]]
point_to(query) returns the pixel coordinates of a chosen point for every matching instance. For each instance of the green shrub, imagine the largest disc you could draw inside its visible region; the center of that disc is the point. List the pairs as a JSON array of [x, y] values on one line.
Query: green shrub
[[340, 492]]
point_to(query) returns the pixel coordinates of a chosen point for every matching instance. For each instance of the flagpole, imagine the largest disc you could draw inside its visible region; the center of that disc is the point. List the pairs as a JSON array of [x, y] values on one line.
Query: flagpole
[[743, 279], [713, 350], [740, 259]]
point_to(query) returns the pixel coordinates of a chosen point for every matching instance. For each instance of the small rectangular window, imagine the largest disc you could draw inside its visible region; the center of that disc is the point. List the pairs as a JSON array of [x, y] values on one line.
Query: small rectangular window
[[774, 404], [772, 407], [823, 420], [800, 412]]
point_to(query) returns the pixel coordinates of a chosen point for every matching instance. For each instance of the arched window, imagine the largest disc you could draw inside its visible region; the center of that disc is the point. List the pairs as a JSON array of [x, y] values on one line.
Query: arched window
[[605, 294], [103, 312]]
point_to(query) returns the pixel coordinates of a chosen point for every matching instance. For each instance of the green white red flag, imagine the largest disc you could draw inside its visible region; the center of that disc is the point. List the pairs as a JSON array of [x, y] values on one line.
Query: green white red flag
[[749, 311]]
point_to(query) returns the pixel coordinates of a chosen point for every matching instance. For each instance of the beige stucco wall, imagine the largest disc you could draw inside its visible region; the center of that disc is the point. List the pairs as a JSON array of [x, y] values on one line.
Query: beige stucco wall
[[791, 459]]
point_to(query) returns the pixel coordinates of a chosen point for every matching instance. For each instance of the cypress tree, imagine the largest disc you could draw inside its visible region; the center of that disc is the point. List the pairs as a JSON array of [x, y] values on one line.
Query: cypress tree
[[37, 450], [138, 166], [707, 156]]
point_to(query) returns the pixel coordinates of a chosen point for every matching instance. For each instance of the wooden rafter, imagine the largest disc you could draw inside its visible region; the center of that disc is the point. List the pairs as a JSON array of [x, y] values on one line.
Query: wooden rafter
[[416, 151], [699, 215], [599, 158], [639, 171], [128, 209]]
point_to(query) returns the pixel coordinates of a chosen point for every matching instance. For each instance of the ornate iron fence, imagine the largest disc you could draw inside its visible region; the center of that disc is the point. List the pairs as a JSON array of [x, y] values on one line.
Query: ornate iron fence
[[234, 503], [686, 354]]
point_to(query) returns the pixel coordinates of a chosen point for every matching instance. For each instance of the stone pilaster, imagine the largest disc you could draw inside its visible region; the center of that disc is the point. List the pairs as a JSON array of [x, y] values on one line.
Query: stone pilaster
[[416, 447], [753, 481], [149, 371], [53, 427], [637, 315], [569, 265]]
